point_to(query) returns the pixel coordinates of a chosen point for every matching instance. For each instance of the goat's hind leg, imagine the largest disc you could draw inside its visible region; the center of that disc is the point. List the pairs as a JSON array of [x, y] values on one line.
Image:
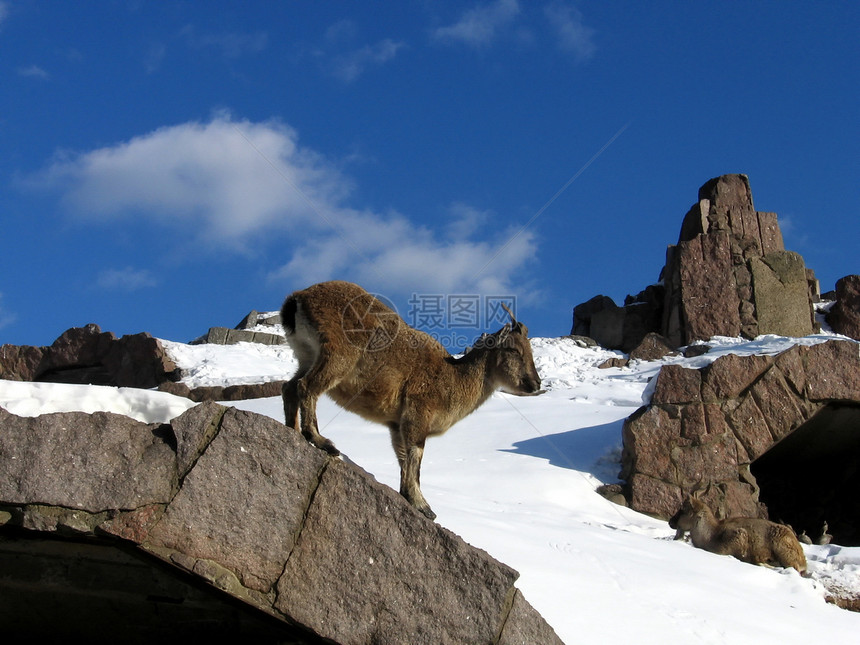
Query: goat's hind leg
[[290, 395], [292, 405]]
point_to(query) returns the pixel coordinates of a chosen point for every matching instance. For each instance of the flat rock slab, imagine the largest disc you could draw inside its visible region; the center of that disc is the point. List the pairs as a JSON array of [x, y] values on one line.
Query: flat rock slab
[[370, 569], [243, 503], [91, 462]]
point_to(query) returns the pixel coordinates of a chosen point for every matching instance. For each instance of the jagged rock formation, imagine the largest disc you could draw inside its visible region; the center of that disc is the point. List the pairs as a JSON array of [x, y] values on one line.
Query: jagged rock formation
[[844, 315], [242, 503], [775, 436], [87, 355], [728, 275], [256, 327]]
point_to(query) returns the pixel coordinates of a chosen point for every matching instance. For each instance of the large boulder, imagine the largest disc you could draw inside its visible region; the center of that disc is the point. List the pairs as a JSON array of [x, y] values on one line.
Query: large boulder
[[240, 503], [723, 424], [86, 355], [583, 313], [844, 315], [728, 275], [781, 294]]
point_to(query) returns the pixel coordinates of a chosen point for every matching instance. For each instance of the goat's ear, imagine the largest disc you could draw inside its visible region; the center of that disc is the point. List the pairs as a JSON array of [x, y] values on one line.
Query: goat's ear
[[516, 326]]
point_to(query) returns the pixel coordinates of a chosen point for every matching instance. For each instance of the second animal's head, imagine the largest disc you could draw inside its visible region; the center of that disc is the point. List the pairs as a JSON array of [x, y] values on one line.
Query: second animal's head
[[686, 517]]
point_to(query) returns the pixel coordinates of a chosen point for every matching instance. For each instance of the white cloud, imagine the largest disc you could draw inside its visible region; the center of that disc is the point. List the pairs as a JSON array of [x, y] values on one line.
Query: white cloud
[[339, 55], [573, 36], [127, 279], [466, 220], [394, 255], [479, 26], [33, 71], [229, 179], [350, 66], [236, 184]]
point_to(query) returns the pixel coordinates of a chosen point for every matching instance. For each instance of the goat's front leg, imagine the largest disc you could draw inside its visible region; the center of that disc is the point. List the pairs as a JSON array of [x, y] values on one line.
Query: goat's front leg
[[410, 478]]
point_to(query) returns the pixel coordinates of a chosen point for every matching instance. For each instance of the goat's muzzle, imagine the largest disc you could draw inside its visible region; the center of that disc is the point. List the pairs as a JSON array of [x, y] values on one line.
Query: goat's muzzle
[[527, 387]]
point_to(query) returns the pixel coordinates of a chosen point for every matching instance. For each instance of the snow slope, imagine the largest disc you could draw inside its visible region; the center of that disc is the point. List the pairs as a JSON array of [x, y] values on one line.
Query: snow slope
[[517, 479]]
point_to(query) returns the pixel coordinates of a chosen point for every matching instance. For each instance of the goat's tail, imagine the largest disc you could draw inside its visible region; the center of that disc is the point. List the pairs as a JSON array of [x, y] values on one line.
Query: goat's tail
[[288, 315]]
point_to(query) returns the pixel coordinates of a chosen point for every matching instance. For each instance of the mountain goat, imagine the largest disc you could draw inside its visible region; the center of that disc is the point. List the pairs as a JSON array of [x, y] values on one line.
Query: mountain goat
[[352, 346], [752, 540]]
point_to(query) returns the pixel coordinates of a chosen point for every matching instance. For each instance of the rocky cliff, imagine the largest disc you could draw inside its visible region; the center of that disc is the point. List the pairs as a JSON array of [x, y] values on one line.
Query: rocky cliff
[[728, 275], [241, 506], [774, 435]]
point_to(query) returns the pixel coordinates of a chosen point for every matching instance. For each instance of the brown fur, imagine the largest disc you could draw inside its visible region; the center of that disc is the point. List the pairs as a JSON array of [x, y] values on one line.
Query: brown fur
[[752, 540], [359, 351]]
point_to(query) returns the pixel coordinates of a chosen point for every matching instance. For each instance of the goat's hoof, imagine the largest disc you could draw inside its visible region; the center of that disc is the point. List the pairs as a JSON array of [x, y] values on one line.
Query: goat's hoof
[[428, 513], [322, 443], [328, 447]]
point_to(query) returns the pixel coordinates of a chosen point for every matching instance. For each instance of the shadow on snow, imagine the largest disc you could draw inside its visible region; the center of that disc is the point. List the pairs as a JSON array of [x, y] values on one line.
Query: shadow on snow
[[595, 450]]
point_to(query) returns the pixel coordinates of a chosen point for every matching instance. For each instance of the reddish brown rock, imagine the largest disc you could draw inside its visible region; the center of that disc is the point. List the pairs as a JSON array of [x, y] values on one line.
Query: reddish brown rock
[[833, 371], [653, 347], [777, 404], [676, 384], [335, 582], [654, 496], [613, 362], [750, 427], [728, 275], [748, 406], [844, 315], [708, 294], [87, 355], [790, 364], [711, 460], [732, 374], [648, 437], [273, 473], [242, 504]]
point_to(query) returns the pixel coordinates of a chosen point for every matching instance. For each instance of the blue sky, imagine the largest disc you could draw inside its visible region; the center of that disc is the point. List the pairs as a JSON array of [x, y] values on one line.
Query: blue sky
[[167, 167]]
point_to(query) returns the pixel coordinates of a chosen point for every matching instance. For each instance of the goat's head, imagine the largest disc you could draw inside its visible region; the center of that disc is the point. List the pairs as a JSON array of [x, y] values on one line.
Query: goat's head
[[511, 363], [691, 510]]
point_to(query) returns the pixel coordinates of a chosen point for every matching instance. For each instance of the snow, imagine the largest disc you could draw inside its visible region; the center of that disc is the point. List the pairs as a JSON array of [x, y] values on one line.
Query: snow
[[33, 399], [517, 479]]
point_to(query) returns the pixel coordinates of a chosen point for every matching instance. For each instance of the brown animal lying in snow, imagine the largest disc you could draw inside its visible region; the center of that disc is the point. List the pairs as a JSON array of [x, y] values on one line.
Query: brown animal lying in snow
[[752, 540]]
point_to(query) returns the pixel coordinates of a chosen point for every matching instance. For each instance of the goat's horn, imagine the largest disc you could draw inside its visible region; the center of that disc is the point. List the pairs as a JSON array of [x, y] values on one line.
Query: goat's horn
[[698, 489], [510, 313]]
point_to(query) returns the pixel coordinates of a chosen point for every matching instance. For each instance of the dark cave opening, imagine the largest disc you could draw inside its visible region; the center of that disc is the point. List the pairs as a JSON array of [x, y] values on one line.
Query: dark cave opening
[[812, 476], [63, 590]]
